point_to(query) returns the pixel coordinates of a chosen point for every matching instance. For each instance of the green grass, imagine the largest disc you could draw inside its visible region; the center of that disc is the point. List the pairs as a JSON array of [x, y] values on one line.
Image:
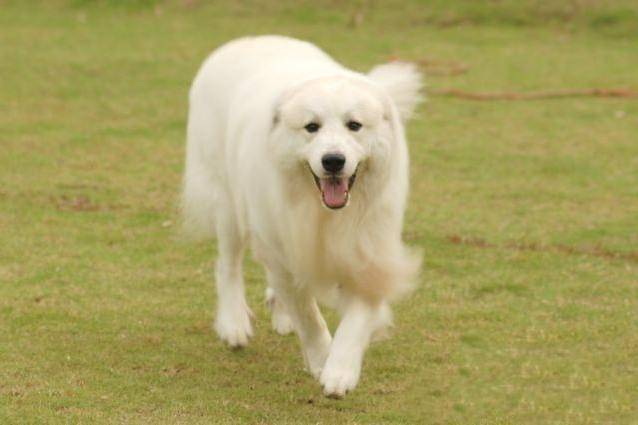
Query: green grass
[[527, 213]]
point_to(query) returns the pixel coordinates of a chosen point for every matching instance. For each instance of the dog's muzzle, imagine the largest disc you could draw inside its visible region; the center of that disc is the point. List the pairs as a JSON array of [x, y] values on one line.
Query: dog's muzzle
[[335, 189]]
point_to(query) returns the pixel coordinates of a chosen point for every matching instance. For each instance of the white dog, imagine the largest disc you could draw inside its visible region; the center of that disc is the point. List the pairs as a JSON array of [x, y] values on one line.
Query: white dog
[[305, 161]]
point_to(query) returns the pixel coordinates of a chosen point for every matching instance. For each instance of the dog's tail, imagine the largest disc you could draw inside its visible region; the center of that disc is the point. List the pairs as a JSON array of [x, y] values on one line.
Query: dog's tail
[[403, 82]]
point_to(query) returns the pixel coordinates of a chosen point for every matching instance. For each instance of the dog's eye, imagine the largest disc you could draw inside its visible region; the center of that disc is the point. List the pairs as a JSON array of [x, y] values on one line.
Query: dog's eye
[[312, 127], [353, 125]]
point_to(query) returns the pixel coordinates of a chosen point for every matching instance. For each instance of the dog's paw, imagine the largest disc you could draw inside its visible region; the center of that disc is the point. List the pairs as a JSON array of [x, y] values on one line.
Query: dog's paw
[[338, 379], [233, 326], [314, 369], [281, 322], [316, 353]]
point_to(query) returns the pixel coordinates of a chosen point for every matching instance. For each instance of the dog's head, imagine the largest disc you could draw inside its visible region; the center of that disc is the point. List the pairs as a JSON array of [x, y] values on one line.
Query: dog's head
[[338, 128]]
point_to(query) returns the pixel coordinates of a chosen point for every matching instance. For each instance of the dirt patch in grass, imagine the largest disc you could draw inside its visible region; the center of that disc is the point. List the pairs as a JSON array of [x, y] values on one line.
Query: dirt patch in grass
[[595, 251]]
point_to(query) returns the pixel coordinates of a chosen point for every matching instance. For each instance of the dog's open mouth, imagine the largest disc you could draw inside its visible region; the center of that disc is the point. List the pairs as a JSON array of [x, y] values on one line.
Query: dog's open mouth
[[335, 190]]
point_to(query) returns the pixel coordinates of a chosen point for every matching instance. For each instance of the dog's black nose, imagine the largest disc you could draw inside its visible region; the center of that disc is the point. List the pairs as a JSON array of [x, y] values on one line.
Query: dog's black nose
[[333, 162]]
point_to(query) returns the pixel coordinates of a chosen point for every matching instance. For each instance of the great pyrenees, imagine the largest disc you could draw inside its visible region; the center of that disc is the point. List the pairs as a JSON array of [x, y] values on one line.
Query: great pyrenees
[[306, 162]]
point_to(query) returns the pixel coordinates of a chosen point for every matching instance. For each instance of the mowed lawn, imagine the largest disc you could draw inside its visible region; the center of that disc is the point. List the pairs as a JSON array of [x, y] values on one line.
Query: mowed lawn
[[527, 214]]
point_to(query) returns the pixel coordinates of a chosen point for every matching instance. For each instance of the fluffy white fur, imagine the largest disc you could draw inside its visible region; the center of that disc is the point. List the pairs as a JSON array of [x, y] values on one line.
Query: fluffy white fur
[[249, 181]]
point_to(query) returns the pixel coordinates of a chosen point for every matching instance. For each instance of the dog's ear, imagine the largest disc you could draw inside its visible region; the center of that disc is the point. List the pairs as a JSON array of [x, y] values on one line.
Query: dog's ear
[[278, 105], [403, 82]]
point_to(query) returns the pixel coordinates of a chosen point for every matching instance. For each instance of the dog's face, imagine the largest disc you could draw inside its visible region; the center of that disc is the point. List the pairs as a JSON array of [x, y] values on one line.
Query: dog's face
[[333, 127]]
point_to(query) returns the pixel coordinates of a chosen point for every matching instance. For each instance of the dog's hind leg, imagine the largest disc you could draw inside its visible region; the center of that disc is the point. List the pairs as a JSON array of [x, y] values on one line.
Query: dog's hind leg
[[233, 314], [281, 322]]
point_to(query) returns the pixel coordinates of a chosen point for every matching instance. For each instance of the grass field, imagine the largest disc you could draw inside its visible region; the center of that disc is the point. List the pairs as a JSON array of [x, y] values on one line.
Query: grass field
[[527, 212]]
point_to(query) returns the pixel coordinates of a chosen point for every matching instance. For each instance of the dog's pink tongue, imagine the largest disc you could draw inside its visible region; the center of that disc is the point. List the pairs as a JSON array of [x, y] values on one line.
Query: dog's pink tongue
[[335, 192]]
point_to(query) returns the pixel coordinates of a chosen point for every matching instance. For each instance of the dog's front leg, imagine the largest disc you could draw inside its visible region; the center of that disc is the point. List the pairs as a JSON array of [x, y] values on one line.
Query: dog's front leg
[[343, 367], [306, 318]]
